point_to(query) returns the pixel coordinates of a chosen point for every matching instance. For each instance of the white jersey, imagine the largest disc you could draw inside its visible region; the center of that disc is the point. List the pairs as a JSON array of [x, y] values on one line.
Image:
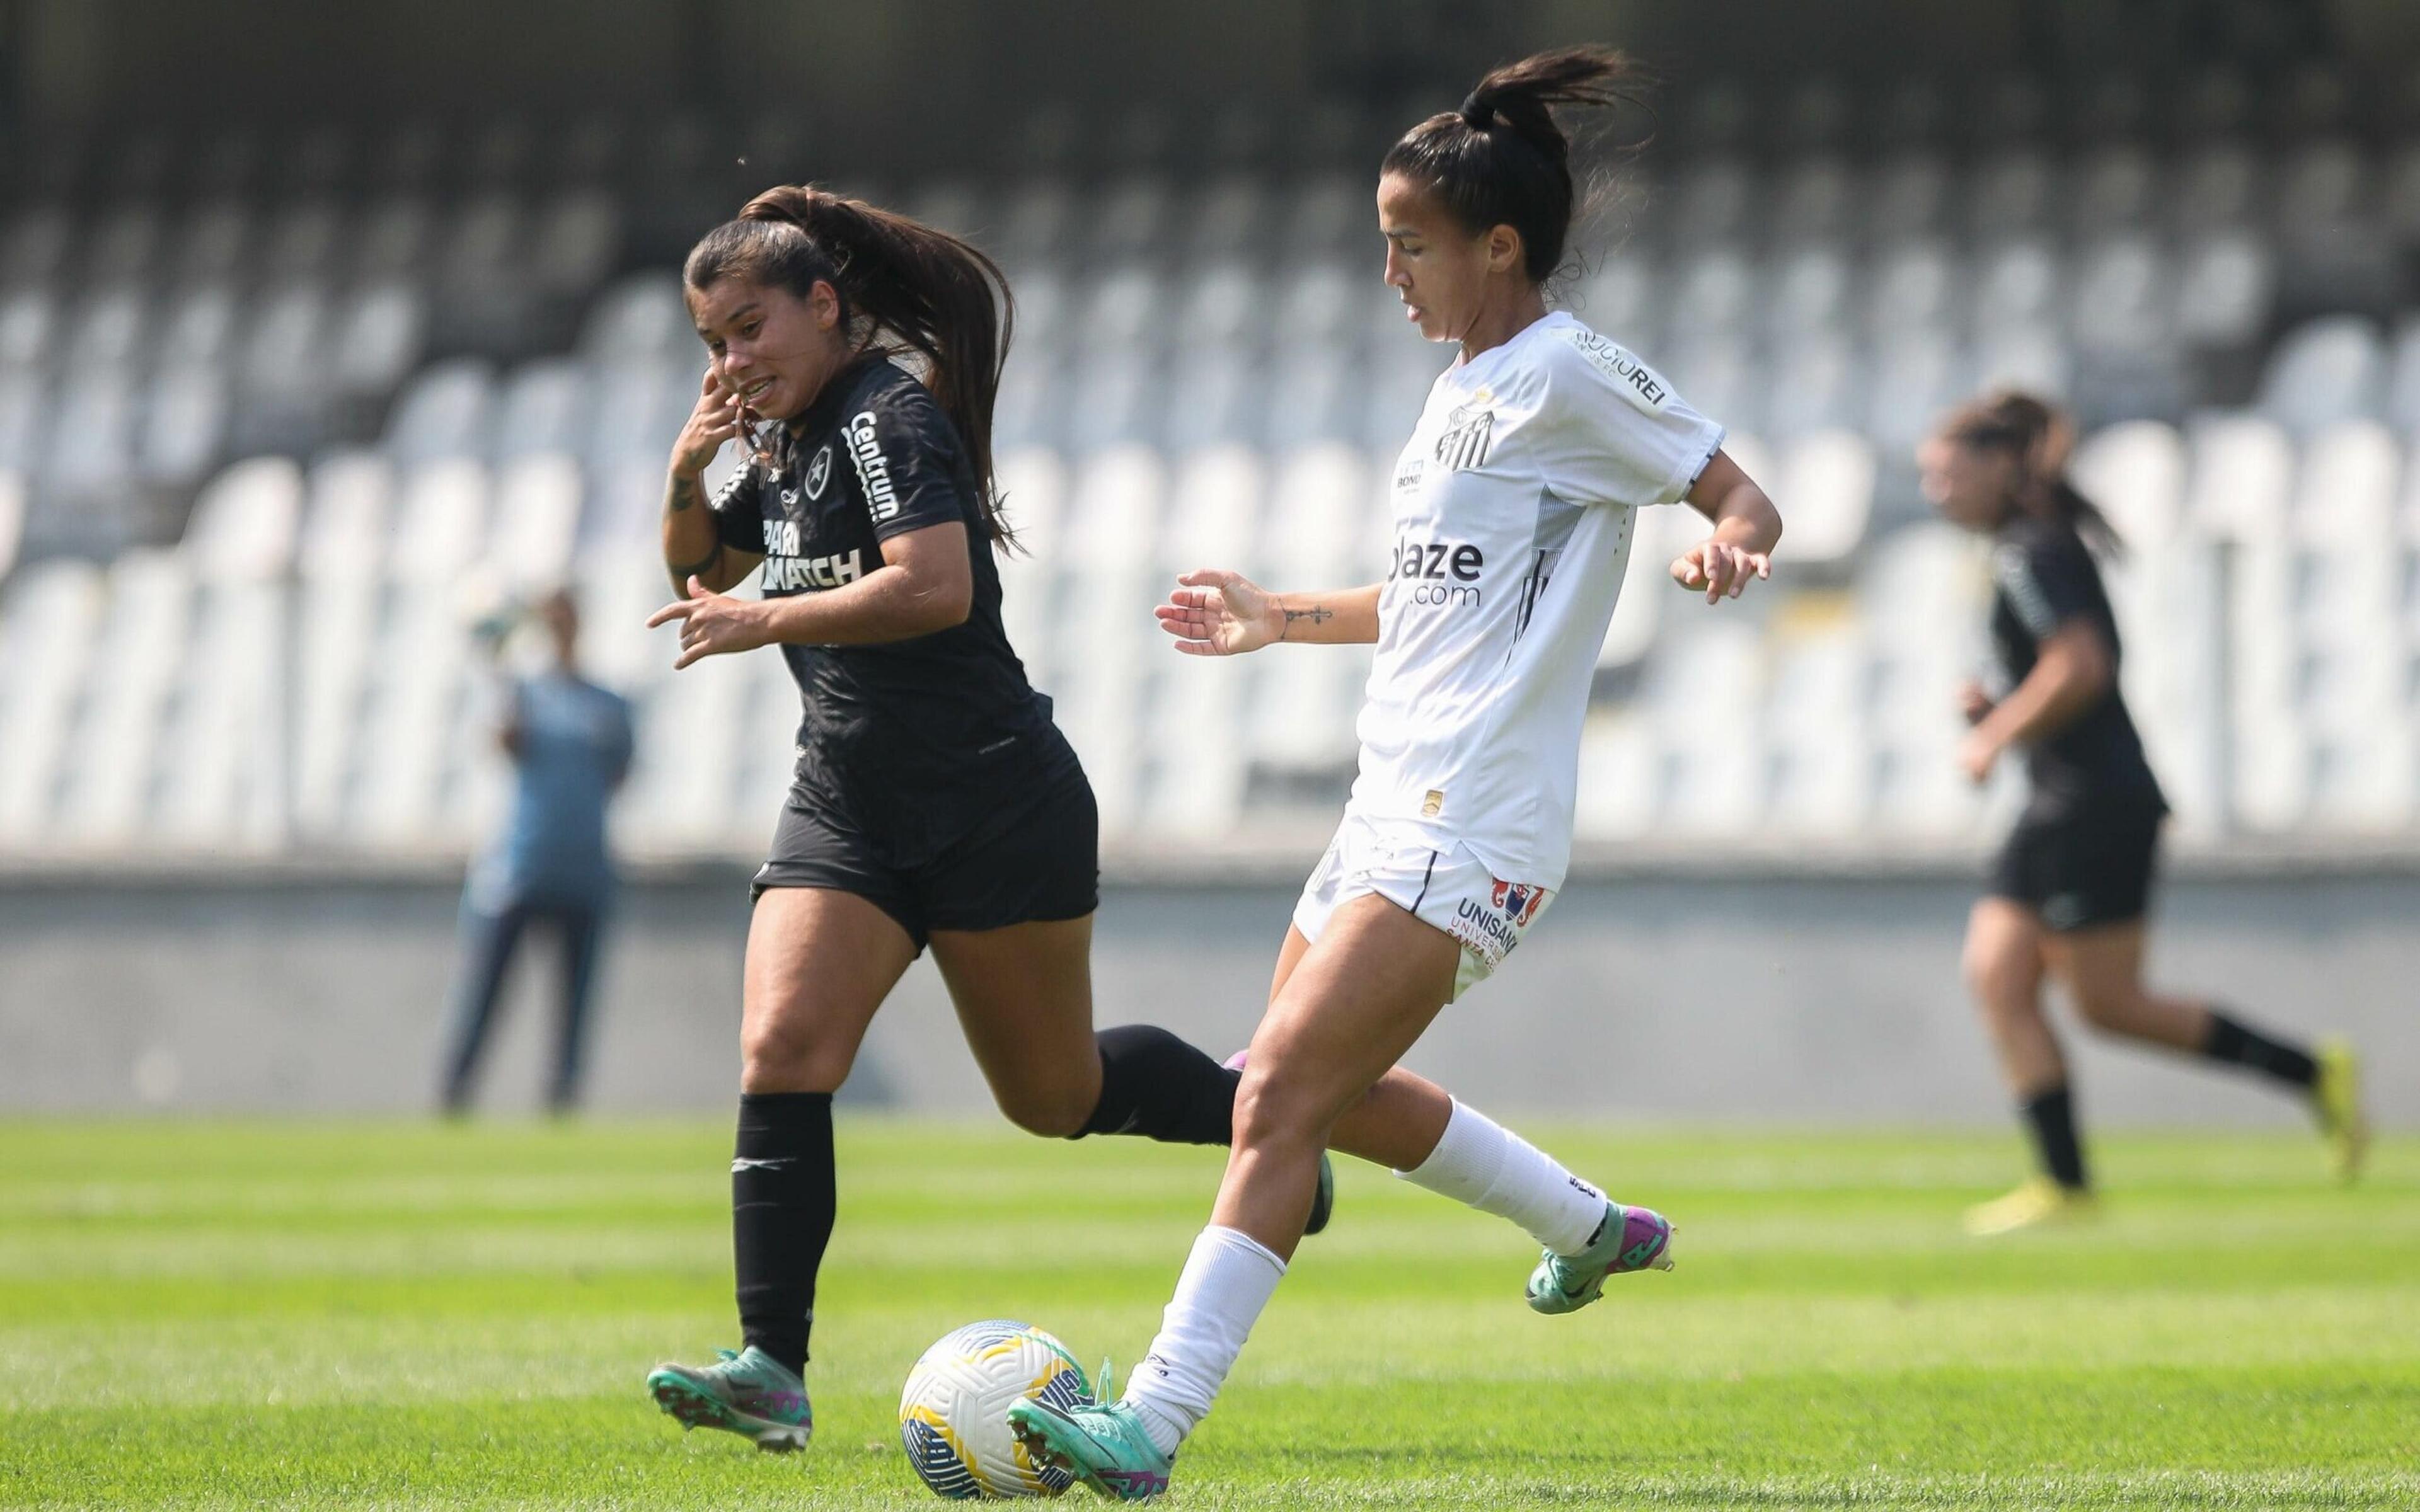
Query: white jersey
[[1514, 505]]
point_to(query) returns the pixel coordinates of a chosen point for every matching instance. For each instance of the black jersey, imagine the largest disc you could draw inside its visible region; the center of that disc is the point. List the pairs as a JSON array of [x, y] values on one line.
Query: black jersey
[[909, 741], [2043, 577]]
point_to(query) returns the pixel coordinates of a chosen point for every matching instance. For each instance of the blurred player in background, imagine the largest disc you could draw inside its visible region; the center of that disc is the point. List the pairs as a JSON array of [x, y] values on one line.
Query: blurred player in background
[[935, 803], [2070, 888], [1514, 507], [550, 865]]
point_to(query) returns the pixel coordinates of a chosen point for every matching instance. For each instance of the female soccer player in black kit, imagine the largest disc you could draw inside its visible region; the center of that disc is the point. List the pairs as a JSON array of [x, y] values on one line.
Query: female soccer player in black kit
[[2070, 889], [934, 801]]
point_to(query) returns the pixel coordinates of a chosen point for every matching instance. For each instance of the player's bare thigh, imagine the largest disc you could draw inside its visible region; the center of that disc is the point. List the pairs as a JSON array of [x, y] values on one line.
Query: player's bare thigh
[[1024, 997], [819, 963]]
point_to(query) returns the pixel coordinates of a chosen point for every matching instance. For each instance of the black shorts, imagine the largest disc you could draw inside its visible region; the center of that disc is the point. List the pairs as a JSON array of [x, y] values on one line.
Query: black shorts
[[1031, 861], [2083, 870]]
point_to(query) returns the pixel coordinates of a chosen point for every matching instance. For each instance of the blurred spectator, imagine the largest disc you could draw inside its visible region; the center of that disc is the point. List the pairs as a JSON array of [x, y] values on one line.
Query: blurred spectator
[[570, 743]]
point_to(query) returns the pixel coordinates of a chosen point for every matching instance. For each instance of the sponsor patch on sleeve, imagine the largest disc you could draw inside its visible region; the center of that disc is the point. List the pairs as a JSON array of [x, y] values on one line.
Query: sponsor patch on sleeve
[[873, 468], [1639, 383]]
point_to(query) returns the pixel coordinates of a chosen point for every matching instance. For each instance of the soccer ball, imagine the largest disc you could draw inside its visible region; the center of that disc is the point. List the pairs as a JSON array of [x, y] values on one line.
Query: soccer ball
[[954, 1413]]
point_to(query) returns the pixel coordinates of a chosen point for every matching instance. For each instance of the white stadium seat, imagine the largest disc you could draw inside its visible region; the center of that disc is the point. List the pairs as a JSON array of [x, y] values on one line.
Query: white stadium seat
[[1829, 481], [144, 640], [640, 319], [246, 524], [2135, 472], [2226, 284], [2325, 370], [448, 410], [537, 521], [50, 616], [2242, 470], [13, 518]]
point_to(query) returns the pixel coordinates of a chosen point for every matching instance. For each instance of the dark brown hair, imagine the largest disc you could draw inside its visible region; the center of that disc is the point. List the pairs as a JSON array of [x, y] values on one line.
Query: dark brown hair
[[1503, 160], [2038, 437], [925, 290]]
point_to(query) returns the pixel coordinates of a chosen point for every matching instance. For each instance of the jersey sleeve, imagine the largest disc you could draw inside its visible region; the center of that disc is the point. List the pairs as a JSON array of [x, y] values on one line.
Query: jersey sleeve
[[1615, 432], [739, 510], [2046, 581], [908, 455]]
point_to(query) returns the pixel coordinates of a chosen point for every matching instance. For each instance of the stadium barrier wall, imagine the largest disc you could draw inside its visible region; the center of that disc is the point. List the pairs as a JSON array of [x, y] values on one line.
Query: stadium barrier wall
[[1709, 994]]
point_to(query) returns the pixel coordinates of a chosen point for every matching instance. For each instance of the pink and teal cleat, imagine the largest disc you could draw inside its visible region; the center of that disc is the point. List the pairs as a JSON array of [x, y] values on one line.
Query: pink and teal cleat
[[1630, 1239], [747, 1392], [1104, 1445]]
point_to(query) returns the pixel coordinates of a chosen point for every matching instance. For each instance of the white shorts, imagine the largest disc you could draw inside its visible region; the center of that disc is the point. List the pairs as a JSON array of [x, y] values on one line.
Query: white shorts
[[1446, 889]]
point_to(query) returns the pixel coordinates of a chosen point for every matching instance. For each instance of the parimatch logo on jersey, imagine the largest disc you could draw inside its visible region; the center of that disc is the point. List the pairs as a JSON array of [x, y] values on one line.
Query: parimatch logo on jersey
[[1464, 446], [789, 570]]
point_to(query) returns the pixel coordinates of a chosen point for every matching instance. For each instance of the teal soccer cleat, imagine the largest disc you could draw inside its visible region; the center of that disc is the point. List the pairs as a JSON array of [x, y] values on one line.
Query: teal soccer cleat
[[747, 1392], [1103, 1444], [1631, 1239]]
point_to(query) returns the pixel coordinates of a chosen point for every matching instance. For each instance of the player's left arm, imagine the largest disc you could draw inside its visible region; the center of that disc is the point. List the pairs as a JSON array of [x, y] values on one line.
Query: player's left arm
[[924, 585], [2073, 667], [1746, 528], [907, 462]]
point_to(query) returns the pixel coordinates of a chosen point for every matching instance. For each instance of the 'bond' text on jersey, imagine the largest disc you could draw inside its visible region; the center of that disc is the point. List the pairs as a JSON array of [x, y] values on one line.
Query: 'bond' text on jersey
[[872, 472]]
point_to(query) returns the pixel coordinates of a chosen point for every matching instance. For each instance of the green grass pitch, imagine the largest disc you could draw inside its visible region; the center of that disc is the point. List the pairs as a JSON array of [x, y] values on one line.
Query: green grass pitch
[[403, 1315]]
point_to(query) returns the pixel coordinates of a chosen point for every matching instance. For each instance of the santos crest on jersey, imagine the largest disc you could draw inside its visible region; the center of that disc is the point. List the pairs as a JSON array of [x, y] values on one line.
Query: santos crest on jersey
[[1512, 507]]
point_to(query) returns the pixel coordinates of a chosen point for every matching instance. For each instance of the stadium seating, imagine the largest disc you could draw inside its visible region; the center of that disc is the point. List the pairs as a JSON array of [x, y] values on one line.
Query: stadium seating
[[266, 452]]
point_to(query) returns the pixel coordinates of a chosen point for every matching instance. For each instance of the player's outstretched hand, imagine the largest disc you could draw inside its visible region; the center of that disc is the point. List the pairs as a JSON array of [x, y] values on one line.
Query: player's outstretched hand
[[718, 417], [712, 624], [1720, 569], [1214, 612]]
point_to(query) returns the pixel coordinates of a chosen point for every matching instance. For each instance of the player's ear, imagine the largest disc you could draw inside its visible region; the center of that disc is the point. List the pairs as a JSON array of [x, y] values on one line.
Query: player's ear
[[1503, 248], [824, 301]]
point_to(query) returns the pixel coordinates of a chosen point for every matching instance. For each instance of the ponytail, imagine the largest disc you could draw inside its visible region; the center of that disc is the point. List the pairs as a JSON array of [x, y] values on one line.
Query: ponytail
[[1502, 158], [2040, 438], [924, 289]]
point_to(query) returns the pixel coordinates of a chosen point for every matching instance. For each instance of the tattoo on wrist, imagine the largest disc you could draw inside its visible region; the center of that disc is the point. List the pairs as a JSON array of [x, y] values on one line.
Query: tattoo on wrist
[[682, 494], [1316, 614]]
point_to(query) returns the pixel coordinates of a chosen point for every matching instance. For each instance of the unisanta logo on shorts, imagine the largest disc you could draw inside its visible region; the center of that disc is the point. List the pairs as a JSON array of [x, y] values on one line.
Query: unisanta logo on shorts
[[872, 472], [1519, 901], [1440, 571]]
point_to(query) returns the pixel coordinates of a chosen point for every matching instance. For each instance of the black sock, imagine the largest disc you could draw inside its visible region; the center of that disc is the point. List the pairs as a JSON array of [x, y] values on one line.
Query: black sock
[[782, 1204], [2232, 1041], [2049, 1118], [1154, 1085]]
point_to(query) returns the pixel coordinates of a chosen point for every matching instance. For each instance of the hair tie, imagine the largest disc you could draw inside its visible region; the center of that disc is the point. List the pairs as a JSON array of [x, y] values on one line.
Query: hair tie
[[1477, 114]]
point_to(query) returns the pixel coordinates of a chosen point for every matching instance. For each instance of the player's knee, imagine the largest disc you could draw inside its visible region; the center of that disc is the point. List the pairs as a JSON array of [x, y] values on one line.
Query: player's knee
[[1051, 1111], [1275, 1106], [2000, 981], [2110, 1010], [778, 1055]]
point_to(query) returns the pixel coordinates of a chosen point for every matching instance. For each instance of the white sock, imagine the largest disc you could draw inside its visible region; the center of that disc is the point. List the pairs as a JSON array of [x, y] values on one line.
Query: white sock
[[1228, 1279], [1481, 1163]]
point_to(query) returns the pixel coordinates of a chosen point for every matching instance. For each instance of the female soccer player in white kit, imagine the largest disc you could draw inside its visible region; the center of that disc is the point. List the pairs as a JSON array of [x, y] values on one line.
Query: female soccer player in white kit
[[1513, 512]]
